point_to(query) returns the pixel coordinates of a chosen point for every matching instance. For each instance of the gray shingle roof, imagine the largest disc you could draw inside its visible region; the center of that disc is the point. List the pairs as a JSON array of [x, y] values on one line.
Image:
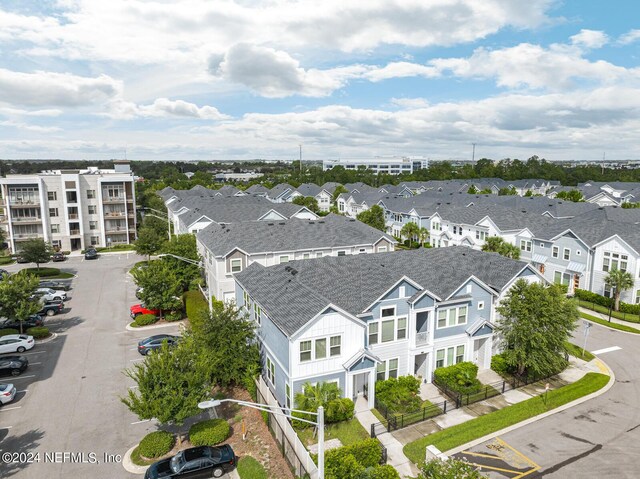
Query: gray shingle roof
[[296, 234], [353, 283]]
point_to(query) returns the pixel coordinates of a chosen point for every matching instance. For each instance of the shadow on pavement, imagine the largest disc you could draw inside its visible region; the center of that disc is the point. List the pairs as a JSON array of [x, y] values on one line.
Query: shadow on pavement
[[26, 443]]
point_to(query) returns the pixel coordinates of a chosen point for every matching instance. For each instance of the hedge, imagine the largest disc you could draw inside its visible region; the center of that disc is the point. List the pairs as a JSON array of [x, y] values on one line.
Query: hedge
[[43, 272], [585, 295], [350, 462], [4, 332], [382, 472], [173, 316], [195, 304], [209, 433], [499, 365], [156, 444], [399, 395], [340, 409], [38, 332], [460, 378], [144, 320], [6, 260]]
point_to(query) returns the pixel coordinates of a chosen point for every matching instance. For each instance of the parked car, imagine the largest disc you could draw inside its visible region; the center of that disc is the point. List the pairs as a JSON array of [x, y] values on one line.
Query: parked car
[[195, 462], [14, 365], [138, 309], [58, 256], [51, 294], [139, 290], [3, 273], [16, 343], [51, 308], [91, 253], [59, 285], [7, 393], [152, 343], [21, 259], [31, 322]]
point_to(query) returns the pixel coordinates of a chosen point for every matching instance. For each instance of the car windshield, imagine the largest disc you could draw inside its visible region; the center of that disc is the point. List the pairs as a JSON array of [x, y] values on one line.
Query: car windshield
[[23, 336], [176, 463], [4, 387]]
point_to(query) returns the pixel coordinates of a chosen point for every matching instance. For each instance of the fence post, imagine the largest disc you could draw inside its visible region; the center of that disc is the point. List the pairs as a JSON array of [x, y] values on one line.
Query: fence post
[[373, 430], [445, 407], [503, 386]]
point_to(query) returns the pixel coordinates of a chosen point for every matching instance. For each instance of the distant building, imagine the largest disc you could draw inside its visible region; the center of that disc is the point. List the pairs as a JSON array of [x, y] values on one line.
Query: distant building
[[71, 209], [392, 166]]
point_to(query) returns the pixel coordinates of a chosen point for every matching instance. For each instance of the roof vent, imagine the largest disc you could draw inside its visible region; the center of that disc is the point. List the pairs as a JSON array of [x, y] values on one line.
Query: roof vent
[[270, 224], [282, 223], [352, 220], [293, 271], [321, 222]]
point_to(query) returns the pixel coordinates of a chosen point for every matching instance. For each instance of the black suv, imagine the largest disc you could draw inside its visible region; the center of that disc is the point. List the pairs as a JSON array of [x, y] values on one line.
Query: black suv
[[14, 365], [91, 253], [147, 345], [31, 322], [195, 462], [58, 256]]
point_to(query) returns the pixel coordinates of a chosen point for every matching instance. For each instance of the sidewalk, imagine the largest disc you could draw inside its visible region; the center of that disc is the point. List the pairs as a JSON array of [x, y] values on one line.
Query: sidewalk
[[605, 317]]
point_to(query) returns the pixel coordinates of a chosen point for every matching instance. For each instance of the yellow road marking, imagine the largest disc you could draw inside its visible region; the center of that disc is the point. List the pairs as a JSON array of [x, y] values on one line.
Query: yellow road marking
[[526, 473], [602, 367], [482, 466], [525, 458], [479, 454]]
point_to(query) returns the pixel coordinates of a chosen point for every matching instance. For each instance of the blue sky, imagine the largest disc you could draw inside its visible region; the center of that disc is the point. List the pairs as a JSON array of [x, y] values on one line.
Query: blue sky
[[244, 79]]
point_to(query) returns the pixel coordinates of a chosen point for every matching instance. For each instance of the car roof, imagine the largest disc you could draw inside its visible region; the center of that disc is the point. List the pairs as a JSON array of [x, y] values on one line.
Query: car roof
[[12, 358], [158, 336], [196, 453], [14, 336]]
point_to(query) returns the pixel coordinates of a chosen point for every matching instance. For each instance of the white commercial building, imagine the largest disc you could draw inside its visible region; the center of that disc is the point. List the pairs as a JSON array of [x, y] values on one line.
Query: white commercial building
[[393, 165]]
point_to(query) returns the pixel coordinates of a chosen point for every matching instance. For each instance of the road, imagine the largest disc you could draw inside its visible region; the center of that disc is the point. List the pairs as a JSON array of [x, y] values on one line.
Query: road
[[73, 384], [593, 440]]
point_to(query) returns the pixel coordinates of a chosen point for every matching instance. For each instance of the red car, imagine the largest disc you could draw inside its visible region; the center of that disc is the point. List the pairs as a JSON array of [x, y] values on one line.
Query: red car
[[138, 309]]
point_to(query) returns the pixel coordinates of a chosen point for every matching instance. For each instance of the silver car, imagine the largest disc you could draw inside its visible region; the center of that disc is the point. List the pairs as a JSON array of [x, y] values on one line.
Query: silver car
[[7, 393], [51, 294]]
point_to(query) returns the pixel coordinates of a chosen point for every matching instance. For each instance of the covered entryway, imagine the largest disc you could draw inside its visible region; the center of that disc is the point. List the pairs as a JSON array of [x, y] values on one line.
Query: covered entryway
[[420, 365], [481, 332], [360, 371], [360, 385], [480, 353]]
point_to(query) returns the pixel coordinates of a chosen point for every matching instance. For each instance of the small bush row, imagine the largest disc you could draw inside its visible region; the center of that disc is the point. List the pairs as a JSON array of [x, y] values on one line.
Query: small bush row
[[585, 295], [209, 433], [156, 444], [144, 320], [459, 378], [4, 332], [38, 332], [357, 461], [399, 395]]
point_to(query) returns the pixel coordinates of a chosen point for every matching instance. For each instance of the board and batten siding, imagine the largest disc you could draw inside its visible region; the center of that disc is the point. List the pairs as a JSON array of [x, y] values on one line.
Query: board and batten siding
[[478, 295]]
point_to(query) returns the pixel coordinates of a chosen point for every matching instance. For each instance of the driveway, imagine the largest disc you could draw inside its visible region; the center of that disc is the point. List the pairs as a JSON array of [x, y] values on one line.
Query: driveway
[[595, 439], [71, 413]]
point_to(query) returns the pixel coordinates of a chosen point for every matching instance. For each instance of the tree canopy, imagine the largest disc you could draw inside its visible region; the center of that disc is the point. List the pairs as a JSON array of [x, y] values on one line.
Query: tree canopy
[[161, 288], [183, 245], [496, 244], [308, 201], [149, 242], [16, 292], [536, 321], [374, 217], [619, 281], [36, 251], [571, 195]]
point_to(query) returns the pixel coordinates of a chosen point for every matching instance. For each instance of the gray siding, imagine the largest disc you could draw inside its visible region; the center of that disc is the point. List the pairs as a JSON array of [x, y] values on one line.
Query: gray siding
[[364, 364], [340, 377], [425, 302], [235, 255], [479, 294], [278, 389]]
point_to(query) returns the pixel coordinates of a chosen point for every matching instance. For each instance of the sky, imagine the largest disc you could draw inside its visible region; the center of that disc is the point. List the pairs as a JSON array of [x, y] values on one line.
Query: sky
[[246, 79]]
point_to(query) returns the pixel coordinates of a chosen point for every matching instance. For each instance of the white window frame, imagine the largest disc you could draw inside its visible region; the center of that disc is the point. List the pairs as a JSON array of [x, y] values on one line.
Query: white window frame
[[450, 352], [382, 249], [566, 252], [386, 364], [451, 321], [92, 209], [52, 196], [301, 352], [525, 245], [271, 371], [286, 260], [233, 261], [555, 251], [55, 228], [342, 253]]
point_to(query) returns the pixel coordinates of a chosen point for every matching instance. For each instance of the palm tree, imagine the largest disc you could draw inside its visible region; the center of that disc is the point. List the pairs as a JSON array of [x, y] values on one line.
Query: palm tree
[[316, 395], [619, 281], [410, 231], [496, 244], [423, 234]]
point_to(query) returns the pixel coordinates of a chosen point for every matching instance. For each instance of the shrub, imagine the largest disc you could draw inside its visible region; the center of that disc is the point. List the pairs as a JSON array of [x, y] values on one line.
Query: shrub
[[6, 260], [339, 410], [195, 305], [156, 444], [399, 394], [351, 461], [382, 472], [144, 320], [173, 316], [44, 272], [209, 433], [249, 468], [459, 378], [38, 332], [499, 365], [4, 332]]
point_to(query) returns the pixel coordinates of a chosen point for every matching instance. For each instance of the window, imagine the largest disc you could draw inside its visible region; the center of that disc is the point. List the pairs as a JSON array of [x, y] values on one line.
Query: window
[[480, 305], [335, 345], [287, 389], [321, 348], [388, 330], [481, 235], [402, 328], [236, 265], [362, 250], [319, 254], [283, 259], [373, 333], [93, 225], [440, 358], [452, 317], [271, 371], [305, 351], [305, 255], [442, 318], [455, 230], [52, 195], [93, 209], [638, 297], [554, 251], [386, 312], [566, 254], [53, 212], [55, 228], [95, 240], [525, 245], [614, 261], [342, 253], [91, 194], [436, 226], [257, 312], [561, 278], [381, 369], [382, 249], [459, 354], [393, 368], [462, 315]]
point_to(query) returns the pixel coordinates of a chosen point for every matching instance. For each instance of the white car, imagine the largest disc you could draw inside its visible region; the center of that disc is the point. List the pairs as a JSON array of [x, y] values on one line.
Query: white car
[[7, 393], [16, 343], [51, 294]]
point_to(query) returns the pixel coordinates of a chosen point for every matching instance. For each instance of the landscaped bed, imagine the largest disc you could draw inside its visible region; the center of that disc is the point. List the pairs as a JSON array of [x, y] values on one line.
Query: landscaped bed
[[455, 436], [49, 273], [348, 432], [576, 351], [604, 322]]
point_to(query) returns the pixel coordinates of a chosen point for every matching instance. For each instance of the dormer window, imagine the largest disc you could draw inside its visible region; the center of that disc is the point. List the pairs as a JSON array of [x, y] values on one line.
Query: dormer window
[[236, 265]]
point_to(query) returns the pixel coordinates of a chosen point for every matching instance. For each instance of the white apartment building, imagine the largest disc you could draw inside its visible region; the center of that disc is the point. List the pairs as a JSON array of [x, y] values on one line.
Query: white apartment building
[[393, 166], [71, 209]]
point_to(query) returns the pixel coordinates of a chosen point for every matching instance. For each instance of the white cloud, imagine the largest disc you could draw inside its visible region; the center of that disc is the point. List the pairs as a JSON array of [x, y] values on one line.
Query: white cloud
[[590, 39], [401, 69], [50, 112], [630, 37], [163, 108], [25, 126], [55, 89], [410, 103]]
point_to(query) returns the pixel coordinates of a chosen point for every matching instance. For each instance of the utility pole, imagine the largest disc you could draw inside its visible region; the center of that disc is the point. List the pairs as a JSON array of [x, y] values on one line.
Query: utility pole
[[473, 155], [300, 159]]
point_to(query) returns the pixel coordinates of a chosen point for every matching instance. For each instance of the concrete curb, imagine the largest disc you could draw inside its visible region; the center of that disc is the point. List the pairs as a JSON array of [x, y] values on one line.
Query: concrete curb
[[156, 326], [610, 328], [612, 380], [129, 466], [47, 340]]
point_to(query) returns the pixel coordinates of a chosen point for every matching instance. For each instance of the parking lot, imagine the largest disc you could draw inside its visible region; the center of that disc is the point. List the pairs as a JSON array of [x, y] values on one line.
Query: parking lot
[[499, 460], [67, 419]]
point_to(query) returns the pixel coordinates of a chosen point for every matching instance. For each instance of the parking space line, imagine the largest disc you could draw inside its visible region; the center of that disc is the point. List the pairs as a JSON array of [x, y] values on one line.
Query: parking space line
[[479, 454], [140, 422], [6, 427], [4, 409], [14, 378], [25, 354], [522, 456], [527, 473], [484, 466], [606, 350], [33, 364]]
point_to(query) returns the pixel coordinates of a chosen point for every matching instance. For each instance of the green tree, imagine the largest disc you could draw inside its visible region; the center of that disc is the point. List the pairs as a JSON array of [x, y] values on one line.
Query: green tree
[[161, 288], [226, 340], [629, 205], [16, 292], [486, 191], [36, 251], [410, 231], [185, 246], [449, 469], [423, 235], [171, 382], [528, 194], [496, 244], [619, 281], [374, 217], [337, 192], [536, 321], [3, 237], [571, 195], [317, 395], [308, 201], [507, 191], [472, 190], [149, 242]]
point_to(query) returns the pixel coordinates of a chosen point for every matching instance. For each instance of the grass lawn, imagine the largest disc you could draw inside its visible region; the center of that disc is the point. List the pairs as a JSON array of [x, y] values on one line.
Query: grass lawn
[[577, 351], [379, 415], [138, 460], [347, 431], [6, 260], [249, 468], [604, 322], [632, 318], [475, 428]]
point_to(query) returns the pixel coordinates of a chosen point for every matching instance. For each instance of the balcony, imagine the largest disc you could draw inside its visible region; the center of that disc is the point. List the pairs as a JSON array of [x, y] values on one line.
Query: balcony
[[116, 229], [74, 232], [25, 219], [26, 236], [73, 216], [422, 338], [113, 214], [25, 202]]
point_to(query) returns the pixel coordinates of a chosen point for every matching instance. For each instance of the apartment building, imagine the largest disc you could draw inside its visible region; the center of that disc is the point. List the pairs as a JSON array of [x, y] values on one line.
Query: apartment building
[[71, 209], [391, 166]]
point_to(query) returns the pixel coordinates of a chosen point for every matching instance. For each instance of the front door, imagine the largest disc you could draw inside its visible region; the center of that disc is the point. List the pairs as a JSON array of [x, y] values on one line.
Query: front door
[[420, 365], [480, 352], [360, 382]]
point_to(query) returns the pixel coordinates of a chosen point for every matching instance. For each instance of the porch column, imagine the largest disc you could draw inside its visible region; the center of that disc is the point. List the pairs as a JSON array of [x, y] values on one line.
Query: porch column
[[372, 388]]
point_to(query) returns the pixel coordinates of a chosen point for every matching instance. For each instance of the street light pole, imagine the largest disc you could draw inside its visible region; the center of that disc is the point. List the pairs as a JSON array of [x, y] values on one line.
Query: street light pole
[[271, 409], [613, 295]]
